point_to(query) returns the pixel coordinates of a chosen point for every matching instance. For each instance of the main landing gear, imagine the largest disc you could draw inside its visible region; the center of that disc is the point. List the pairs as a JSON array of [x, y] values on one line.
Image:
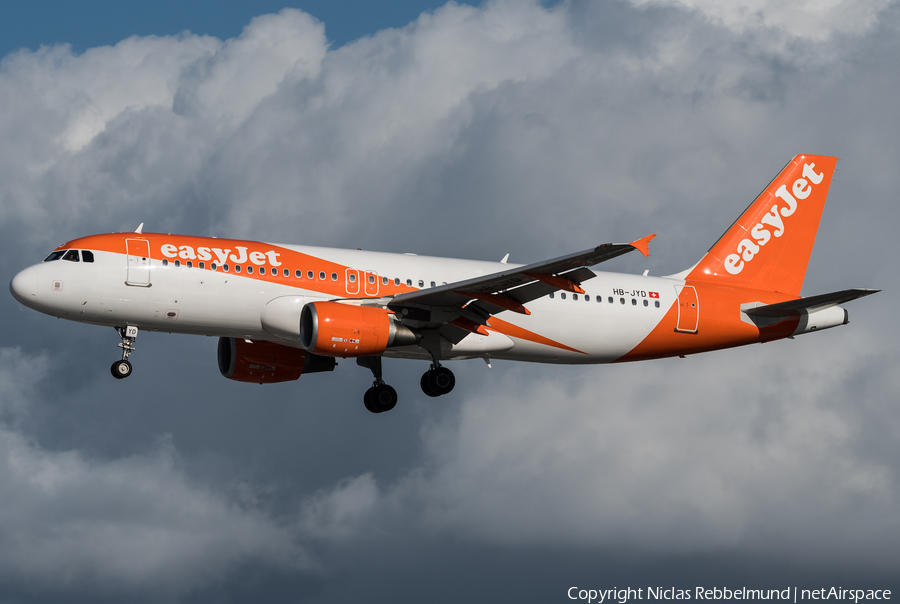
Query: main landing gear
[[437, 381], [122, 369], [380, 397]]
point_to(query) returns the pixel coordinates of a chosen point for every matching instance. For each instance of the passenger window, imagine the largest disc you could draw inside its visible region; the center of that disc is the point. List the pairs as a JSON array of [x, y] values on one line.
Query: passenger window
[[309, 274], [298, 273], [237, 267], [575, 296], [552, 295], [334, 276], [274, 271], [656, 304], [610, 300], [165, 262], [212, 266], [225, 267], [384, 280], [396, 281], [622, 300], [322, 275], [202, 265], [409, 282], [432, 284], [250, 270], [646, 303], [87, 256], [633, 302], [190, 264], [421, 283], [287, 273], [178, 263], [55, 256], [562, 295], [71, 256], [587, 298]]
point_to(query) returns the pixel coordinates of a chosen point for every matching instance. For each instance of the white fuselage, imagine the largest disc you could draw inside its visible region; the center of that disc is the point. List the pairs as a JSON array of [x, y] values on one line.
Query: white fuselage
[[611, 318]]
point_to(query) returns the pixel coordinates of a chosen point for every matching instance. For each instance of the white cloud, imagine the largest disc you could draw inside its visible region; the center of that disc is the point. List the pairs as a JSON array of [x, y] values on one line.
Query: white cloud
[[337, 513], [473, 132], [809, 19], [767, 458], [139, 522], [657, 458]]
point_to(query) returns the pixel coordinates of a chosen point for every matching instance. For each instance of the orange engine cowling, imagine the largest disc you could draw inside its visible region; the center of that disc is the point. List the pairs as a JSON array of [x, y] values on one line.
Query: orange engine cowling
[[344, 330], [266, 362]]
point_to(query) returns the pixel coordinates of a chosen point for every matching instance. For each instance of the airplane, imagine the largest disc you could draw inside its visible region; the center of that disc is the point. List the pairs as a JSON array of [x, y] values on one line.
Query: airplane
[[281, 311]]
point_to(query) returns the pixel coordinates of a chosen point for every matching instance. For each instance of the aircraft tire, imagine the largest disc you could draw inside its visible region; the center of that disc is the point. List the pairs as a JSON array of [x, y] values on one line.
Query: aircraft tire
[[384, 398], [426, 388], [369, 401], [440, 381], [120, 369], [381, 398]]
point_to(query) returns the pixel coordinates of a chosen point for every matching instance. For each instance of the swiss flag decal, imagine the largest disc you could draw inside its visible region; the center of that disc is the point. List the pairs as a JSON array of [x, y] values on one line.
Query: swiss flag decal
[[654, 294]]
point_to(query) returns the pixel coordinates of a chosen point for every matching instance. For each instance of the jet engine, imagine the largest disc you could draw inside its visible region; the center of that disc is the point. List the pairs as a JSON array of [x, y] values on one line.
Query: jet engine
[[344, 330], [266, 362]]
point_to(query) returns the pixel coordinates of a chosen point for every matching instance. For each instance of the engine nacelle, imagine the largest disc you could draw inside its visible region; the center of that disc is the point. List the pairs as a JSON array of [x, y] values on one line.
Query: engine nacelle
[[266, 362], [344, 330]]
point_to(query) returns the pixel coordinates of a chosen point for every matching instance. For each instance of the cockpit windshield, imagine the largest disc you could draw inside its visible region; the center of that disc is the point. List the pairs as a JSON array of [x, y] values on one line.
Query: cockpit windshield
[[70, 255]]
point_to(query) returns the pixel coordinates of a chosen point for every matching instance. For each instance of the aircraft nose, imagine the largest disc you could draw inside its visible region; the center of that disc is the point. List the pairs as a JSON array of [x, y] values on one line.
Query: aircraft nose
[[23, 286]]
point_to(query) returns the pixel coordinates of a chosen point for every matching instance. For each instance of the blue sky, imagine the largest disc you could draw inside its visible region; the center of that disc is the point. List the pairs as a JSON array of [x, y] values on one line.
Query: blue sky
[[92, 23]]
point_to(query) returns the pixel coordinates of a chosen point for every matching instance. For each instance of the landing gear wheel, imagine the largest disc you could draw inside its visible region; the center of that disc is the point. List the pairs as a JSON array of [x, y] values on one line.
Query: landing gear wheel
[[120, 369], [438, 381], [380, 398], [425, 387], [367, 400]]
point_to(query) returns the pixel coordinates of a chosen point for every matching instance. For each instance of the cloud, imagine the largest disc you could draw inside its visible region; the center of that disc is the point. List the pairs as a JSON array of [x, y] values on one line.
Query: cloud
[[470, 132], [137, 522], [766, 458], [806, 19], [655, 459]]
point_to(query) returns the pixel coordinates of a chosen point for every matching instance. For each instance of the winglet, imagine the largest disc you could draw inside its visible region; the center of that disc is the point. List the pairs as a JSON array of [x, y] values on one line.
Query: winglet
[[643, 244], [140, 227]]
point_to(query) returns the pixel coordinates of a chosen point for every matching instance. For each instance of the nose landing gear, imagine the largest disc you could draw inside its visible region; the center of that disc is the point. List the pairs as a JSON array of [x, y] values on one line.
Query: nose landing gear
[[437, 381], [122, 369], [380, 397]]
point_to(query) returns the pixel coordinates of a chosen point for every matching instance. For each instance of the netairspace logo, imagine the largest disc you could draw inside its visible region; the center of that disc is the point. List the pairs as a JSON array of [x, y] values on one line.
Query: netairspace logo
[[791, 594]]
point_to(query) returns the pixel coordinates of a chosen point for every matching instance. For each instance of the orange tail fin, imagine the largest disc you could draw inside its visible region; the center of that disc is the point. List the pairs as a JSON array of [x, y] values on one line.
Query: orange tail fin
[[769, 246]]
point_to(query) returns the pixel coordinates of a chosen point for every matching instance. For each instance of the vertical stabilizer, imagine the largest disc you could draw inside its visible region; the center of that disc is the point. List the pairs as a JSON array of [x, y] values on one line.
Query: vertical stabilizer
[[769, 246]]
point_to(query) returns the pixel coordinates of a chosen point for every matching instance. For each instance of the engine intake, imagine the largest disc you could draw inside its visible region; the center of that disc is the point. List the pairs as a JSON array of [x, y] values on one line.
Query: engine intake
[[266, 362], [344, 330]]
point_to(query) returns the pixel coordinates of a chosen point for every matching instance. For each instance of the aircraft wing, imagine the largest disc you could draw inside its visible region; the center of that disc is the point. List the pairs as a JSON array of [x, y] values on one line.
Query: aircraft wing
[[469, 304], [810, 304]]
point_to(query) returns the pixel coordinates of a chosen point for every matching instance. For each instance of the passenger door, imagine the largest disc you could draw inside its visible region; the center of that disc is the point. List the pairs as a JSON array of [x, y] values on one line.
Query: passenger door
[[138, 253], [688, 310]]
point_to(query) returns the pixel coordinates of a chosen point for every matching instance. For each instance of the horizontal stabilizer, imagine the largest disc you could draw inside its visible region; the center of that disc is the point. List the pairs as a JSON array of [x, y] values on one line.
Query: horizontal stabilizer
[[809, 305]]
